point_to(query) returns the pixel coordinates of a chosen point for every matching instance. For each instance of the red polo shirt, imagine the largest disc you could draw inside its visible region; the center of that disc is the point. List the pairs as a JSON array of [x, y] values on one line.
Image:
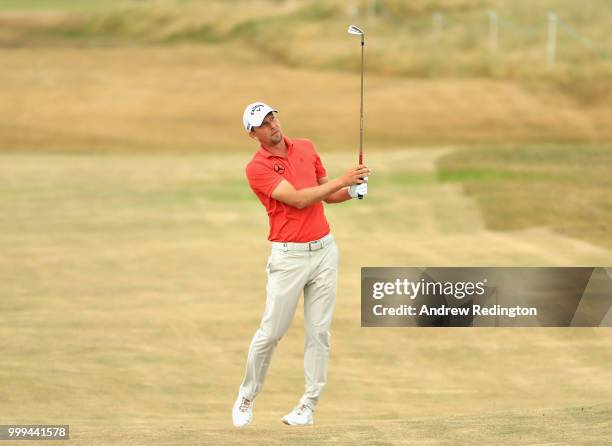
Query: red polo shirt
[[302, 168]]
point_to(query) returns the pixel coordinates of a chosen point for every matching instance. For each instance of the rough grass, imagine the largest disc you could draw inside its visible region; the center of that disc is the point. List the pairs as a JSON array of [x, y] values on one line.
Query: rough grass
[[565, 187], [190, 98], [401, 39], [63, 5], [144, 75]]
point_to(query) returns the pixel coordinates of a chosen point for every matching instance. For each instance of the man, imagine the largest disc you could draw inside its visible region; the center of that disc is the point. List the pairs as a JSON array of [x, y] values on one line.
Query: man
[[290, 181]]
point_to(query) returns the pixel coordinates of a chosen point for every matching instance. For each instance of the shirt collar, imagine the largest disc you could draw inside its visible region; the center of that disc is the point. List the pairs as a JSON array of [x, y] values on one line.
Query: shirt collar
[[265, 152]]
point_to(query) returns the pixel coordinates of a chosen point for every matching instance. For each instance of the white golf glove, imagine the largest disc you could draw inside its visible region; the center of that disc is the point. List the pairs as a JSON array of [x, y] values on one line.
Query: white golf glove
[[359, 189]]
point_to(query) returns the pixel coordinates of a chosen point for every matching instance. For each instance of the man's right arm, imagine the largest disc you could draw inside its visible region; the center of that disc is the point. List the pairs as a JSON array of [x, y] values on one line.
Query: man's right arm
[[302, 198]]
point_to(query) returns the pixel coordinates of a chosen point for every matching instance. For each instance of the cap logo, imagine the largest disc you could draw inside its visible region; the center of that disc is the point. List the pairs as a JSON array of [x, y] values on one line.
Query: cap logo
[[256, 108]]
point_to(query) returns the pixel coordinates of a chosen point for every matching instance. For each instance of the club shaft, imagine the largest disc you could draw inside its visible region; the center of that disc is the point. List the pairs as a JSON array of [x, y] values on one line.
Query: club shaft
[[361, 107], [361, 111]]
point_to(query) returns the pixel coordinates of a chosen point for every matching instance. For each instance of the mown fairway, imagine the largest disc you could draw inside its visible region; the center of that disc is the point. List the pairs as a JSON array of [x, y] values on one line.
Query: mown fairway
[[132, 284]]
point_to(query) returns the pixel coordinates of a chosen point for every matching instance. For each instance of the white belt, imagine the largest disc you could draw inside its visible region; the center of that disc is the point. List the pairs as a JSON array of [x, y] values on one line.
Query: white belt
[[308, 246]]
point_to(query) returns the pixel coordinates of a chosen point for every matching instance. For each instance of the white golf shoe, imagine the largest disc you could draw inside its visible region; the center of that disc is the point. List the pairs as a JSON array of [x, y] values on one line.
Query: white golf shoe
[[301, 415], [242, 412]]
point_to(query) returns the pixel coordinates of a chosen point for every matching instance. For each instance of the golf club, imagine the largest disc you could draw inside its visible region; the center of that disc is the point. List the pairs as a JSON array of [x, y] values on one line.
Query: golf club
[[352, 29]]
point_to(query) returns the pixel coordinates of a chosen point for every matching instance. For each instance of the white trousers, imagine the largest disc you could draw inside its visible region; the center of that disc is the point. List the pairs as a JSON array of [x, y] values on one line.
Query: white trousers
[[289, 273]]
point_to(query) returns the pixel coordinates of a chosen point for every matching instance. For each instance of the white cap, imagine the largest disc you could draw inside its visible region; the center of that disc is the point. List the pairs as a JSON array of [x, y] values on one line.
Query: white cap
[[254, 114]]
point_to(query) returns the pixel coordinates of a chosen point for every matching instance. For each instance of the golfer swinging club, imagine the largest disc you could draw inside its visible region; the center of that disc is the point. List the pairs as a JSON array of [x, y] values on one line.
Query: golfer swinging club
[[289, 179]]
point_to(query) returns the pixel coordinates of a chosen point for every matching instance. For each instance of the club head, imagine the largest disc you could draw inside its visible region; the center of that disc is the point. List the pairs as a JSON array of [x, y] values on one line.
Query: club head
[[355, 30]]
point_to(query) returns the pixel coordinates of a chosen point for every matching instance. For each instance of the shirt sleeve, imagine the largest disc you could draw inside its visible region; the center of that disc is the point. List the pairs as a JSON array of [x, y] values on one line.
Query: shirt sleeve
[[319, 169], [263, 179]]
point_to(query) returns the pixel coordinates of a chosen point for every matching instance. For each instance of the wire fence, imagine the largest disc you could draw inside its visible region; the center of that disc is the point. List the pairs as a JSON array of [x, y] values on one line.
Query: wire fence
[[498, 25], [588, 44]]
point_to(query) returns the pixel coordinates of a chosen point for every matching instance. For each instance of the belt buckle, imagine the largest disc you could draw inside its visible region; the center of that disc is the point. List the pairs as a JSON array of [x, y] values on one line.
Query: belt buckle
[[310, 245]]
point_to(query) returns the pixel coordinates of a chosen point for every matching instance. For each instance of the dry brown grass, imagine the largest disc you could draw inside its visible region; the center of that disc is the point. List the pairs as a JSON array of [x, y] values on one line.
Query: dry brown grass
[[191, 98], [131, 285], [137, 76]]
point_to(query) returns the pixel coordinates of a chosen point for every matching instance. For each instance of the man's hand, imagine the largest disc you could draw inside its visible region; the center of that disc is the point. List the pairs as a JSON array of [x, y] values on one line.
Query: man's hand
[[359, 189], [334, 191], [355, 176]]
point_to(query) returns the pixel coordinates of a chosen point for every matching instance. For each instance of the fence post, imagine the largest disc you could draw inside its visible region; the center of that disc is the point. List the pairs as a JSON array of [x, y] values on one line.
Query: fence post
[[551, 46], [493, 31], [372, 8], [352, 10], [437, 20]]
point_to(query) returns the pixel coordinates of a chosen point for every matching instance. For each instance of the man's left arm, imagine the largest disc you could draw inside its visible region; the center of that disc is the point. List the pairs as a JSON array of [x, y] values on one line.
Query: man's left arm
[[336, 197], [342, 195]]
